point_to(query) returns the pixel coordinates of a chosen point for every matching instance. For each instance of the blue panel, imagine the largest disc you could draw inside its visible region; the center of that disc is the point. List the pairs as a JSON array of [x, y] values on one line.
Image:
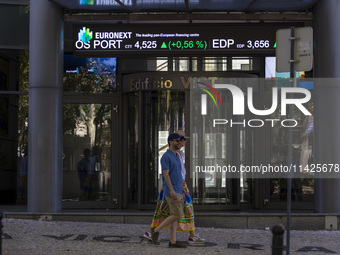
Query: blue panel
[[307, 84]]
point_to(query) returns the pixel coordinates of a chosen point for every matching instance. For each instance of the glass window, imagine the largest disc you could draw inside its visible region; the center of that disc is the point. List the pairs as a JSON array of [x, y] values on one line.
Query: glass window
[[303, 141], [181, 64], [8, 147], [4, 74], [184, 64], [13, 126], [87, 152], [210, 186], [163, 112], [215, 64], [17, 33], [133, 141], [178, 64], [302, 154], [244, 64], [210, 152], [23, 70], [13, 148], [22, 149], [162, 64], [246, 179], [9, 68], [91, 75]]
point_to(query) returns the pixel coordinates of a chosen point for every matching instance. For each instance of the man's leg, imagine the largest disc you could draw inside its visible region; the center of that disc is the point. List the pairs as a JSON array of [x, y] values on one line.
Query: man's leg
[[173, 229], [168, 221], [176, 210]]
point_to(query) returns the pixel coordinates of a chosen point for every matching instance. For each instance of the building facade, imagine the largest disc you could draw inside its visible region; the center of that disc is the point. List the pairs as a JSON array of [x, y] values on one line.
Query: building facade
[[82, 126]]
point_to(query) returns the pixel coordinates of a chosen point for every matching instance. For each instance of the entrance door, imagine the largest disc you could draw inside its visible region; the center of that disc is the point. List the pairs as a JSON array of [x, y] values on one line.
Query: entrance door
[[218, 151], [162, 103], [90, 160]]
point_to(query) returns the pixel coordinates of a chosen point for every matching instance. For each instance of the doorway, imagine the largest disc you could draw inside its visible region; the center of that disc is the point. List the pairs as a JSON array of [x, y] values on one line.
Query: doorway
[[160, 103]]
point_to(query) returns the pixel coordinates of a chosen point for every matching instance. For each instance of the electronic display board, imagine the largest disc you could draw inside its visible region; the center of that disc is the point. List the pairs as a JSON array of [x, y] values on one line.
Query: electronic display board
[[173, 39]]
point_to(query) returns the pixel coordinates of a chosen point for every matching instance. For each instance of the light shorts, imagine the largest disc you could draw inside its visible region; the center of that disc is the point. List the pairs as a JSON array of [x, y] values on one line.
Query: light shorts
[[176, 206]]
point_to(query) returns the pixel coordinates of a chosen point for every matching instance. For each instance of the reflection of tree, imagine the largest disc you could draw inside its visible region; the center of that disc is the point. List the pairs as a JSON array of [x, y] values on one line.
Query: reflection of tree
[[102, 123], [71, 115], [84, 81], [94, 78], [96, 117], [23, 101], [88, 114], [78, 82], [162, 111], [166, 114], [171, 110]]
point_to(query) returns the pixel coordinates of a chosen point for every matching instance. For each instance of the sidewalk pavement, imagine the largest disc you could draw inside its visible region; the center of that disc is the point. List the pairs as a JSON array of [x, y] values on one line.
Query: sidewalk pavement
[[31, 237]]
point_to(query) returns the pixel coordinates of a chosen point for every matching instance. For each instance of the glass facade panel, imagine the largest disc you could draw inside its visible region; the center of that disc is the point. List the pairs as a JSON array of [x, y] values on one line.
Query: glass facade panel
[[181, 64], [242, 64], [22, 149], [15, 35], [211, 147], [23, 70], [90, 75], [303, 140], [215, 64], [152, 115], [162, 64], [163, 112], [13, 126], [133, 142], [8, 148], [246, 158], [13, 148], [209, 64], [302, 155], [87, 152]]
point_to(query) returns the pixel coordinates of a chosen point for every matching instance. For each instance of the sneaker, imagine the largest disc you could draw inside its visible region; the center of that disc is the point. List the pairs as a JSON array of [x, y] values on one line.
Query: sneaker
[[196, 240], [177, 245], [154, 236], [147, 235]]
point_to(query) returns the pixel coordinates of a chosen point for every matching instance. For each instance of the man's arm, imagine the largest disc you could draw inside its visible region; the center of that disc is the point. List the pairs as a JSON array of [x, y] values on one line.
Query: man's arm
[[168, 182]]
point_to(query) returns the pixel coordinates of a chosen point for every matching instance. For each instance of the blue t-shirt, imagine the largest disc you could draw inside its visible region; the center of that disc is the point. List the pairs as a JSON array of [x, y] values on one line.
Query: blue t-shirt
[[170, 161]]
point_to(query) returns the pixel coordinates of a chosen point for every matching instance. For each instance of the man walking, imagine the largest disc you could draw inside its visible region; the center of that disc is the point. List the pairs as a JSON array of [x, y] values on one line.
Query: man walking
[[173, 192]]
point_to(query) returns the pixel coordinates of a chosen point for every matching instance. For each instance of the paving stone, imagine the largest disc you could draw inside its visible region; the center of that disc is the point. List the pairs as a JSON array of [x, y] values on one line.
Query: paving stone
[[36, 237]]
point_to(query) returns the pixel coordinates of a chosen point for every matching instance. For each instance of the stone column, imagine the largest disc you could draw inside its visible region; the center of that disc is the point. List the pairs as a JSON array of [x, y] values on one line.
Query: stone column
[[327, 101], [45, 107]]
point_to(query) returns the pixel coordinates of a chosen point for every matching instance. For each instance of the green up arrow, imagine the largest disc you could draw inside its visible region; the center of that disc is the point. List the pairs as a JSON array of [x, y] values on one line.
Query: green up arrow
[[163, 46]]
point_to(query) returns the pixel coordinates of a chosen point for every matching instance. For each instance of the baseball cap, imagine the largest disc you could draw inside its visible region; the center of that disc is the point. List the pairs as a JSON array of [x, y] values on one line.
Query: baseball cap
[[182, 134], [173, 136]]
